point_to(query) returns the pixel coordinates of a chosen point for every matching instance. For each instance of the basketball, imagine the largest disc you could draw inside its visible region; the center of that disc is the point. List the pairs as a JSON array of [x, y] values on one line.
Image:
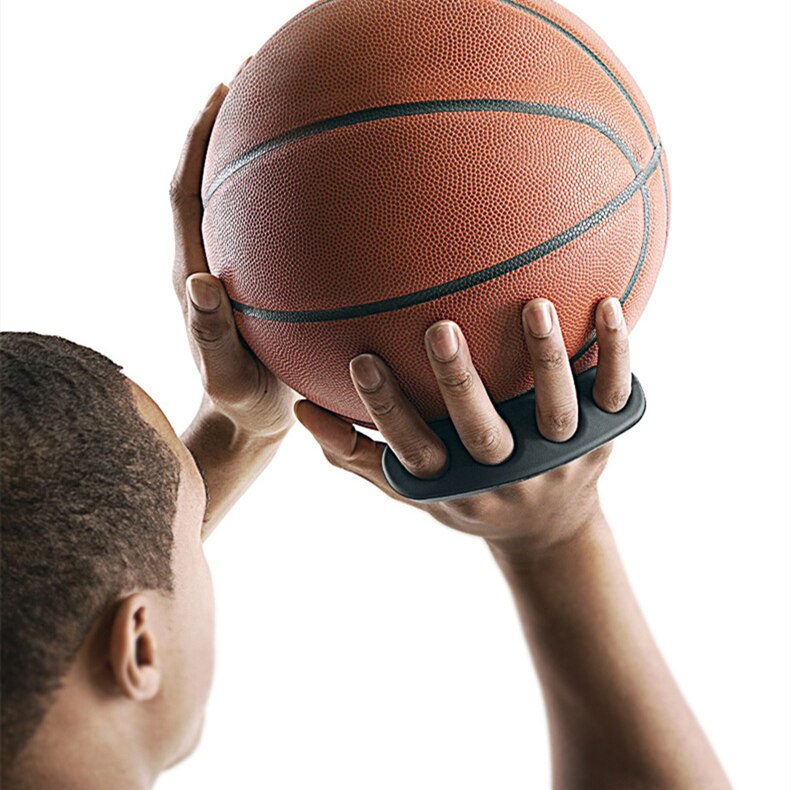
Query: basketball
[[380, 165]]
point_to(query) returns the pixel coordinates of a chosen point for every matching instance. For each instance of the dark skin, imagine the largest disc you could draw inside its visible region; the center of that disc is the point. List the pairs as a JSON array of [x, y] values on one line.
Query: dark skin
[[616, 716]]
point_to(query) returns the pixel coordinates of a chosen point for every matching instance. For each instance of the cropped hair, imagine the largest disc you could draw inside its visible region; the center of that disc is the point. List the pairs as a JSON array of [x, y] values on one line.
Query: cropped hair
[[88, 492]]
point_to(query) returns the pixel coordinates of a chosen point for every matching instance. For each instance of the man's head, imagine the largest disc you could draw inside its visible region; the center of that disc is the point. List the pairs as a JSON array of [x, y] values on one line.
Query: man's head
[[107, 607]]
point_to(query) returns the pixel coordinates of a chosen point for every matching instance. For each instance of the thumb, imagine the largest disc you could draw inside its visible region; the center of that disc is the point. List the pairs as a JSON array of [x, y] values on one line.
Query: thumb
[[343, 445], [226, 366]]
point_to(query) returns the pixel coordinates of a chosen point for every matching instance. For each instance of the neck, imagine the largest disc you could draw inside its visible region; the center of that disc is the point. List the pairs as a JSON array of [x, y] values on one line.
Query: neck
[[88, 740], [78, 769]]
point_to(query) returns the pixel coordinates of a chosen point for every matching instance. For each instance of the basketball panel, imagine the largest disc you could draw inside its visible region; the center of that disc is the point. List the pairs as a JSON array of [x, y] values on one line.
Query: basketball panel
[[313, 357], [379, 210], [336, 60]]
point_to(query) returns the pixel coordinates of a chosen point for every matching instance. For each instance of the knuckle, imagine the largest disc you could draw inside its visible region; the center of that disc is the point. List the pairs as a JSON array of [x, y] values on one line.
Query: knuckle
[[560, 421], [487, 437], [331, 458], [614, 399], [470, 508], [600, 455], [595, 464], [550, 359], [618, 348], [457, 382], [207, 335], [422, 459], [381, 406], [560, 475], [177, 194], [486, 441]]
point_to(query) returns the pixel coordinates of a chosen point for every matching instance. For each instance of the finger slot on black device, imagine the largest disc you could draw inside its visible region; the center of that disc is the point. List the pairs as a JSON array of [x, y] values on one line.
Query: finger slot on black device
[[533, 454]]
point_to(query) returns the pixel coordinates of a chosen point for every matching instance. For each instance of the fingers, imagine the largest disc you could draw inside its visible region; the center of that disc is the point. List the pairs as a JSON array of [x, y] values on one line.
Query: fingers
[[556, 404], [185, 199], [343, 445], [230, 373], [416, 445], [482, 430], [612, 386]]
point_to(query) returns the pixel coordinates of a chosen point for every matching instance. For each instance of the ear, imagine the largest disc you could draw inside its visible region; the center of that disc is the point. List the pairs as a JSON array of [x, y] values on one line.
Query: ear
[[133, 656]]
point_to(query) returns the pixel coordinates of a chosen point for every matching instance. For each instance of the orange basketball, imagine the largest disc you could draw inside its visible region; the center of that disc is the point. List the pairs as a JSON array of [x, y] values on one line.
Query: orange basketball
[[384, 164]]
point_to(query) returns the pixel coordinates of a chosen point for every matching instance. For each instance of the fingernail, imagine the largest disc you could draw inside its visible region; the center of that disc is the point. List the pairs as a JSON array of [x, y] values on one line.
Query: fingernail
[[215, 94], [203, 295], [366, 372], [443, 341], [241, 68], [612, 313], [539, 320]]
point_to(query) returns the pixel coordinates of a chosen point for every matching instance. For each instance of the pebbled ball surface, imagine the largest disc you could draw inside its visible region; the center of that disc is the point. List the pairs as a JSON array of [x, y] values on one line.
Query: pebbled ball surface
[[389, 206]]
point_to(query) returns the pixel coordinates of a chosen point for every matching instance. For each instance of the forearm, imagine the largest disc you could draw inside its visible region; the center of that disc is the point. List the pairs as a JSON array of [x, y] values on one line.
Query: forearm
[[229, 458], [617, 719]]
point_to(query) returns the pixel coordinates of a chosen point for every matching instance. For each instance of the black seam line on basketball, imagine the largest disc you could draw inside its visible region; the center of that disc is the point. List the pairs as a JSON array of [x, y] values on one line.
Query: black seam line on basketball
[[643, 252], [461, 283], [637, 271], [592, 54], [666, 200], [419, 108], [548, 21], [623, 90], [609, 73]]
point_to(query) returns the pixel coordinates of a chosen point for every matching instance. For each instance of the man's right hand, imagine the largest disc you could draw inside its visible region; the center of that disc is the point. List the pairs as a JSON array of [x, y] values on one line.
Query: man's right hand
[[523, 516], [617, 718]]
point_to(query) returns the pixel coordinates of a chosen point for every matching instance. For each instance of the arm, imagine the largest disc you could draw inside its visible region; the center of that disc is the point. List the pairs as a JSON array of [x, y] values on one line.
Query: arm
[[246, 411], [616, 717], [229, 458]]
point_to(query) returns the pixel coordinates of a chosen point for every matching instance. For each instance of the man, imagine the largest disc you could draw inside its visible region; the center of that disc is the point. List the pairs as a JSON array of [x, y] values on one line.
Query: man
[[107, 605]]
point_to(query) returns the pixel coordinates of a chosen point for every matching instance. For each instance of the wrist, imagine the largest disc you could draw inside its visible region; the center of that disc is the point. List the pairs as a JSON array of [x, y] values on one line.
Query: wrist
[[240, 432], [215, 427], [555, 538]]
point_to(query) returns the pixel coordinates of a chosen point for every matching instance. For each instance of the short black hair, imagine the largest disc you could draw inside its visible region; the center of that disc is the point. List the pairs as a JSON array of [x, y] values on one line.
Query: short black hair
[[89, 492]]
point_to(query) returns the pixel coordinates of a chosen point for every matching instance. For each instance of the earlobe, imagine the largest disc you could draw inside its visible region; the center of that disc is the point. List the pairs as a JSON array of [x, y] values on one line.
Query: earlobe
[[134, 658]]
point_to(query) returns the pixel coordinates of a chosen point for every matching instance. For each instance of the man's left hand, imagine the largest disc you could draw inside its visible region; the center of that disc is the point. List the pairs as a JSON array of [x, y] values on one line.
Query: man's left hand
[[235, 381]]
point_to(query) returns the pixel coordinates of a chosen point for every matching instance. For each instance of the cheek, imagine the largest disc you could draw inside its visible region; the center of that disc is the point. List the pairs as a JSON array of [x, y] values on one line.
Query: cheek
[[192, 659], [205, 624], [197, 605]]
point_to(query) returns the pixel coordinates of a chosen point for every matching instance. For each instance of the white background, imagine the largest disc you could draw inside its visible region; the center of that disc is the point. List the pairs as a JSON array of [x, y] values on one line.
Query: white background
[[361, 645]]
